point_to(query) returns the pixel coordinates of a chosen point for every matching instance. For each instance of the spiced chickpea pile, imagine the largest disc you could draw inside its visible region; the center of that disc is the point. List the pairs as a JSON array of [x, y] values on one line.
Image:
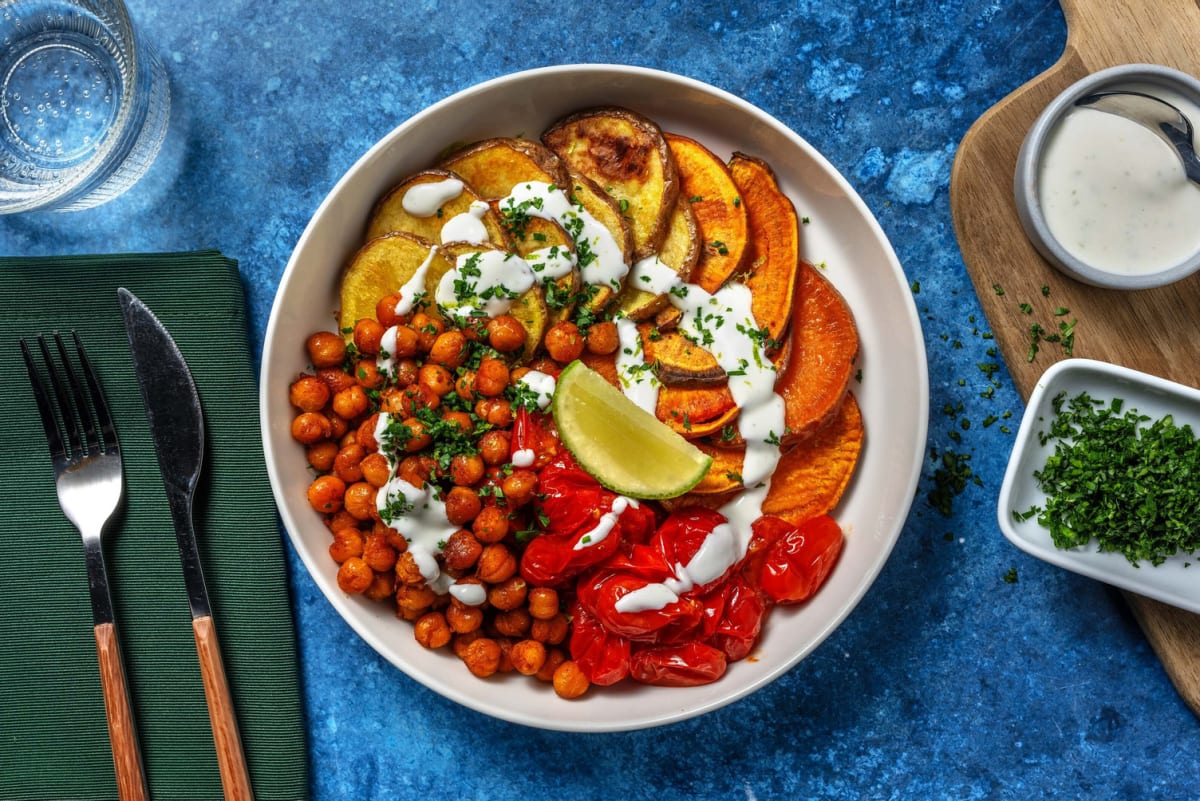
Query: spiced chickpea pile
[[457, 391]]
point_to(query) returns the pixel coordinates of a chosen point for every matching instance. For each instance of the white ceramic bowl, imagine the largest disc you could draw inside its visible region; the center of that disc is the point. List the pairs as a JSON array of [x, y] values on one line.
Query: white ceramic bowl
[[1171, 582], [842, 234]]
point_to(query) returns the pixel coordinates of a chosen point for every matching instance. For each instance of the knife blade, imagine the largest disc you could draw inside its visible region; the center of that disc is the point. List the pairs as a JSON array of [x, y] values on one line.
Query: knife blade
[[177, 429]]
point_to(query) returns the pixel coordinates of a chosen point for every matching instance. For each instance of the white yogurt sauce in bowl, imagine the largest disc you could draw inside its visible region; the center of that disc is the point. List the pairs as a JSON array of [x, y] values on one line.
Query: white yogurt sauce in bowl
[[1104, 199]]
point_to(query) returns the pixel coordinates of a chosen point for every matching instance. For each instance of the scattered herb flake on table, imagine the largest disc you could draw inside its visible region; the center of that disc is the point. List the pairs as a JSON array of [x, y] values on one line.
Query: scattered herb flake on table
[[1129, 482]]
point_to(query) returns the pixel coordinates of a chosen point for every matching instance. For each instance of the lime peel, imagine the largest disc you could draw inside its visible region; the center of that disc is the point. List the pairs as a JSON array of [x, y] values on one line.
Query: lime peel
[[625, 448]]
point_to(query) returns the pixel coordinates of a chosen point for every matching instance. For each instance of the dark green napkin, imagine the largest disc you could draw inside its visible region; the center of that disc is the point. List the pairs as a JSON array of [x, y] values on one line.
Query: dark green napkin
[[53, 736]]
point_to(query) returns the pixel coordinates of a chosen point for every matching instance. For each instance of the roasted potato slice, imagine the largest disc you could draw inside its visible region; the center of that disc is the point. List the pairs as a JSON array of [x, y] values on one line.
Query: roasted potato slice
[[773, 250], [604, 209], [705, 182], [493, 167], [381, 267], [628, 157], [529, 308], [680, 251], [536, 234], [391, 216]]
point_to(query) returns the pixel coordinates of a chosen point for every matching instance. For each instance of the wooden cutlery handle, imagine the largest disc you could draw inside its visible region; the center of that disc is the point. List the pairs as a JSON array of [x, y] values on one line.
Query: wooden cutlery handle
[[127, 757], [235, 777]]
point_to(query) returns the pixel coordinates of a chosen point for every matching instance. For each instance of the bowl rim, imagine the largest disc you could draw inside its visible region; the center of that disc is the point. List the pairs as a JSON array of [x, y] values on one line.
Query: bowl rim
[[1025, 183], [891, 525]]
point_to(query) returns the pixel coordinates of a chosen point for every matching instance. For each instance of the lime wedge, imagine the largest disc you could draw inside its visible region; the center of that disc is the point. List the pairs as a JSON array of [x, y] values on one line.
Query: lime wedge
[[619, 444]]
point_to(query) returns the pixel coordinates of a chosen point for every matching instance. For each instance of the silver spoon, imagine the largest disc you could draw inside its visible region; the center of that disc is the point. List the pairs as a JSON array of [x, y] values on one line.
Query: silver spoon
[[1164, 119]]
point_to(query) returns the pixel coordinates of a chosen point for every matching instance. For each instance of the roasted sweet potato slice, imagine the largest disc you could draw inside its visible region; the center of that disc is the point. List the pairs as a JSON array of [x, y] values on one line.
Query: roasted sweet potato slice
[[706, 183], [529, 308], [493, 167], [773, 248], [677, 361], [812, 476], [680, 251], [390, 216], [381, 267], [627, 156]]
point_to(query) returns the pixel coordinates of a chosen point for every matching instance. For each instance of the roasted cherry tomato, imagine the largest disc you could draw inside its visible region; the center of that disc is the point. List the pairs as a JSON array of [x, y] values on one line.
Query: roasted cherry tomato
[[550, 559], [602, 655], [600, 592], [788, 562], [737, 627], [684, 665], [682, 534], [534, 431]]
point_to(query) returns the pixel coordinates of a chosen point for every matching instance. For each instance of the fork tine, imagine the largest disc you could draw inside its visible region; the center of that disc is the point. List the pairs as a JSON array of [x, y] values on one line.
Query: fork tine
[[90, 437], [74, 442], [108, 431], [45, 406]]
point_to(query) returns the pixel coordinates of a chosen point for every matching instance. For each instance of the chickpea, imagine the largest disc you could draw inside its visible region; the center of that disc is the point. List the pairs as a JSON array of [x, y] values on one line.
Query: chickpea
[[491, 379], [309, 427], [508, 594], [335, 378], [320, 455], [405, 371], [348, 463], [461, 420], [407, 571], [427, 329], [365, 434], [462, 505], [554, 658], [416, 470], [602, 338], [338, 426], [347, 542], [383, 586], [368, 334], [505, 333], [350, 402], [463, 640], [419, 437], [435, 378], [339, 520], [516, 374], [354, 576], [543, 602], [466, 469], [494, 447], [496, 411], [308, 393], [374, 469], [385, 311], [506, 644], [519, 488], [359, 500], [551, 631], [392, 401], [462, 550], [491, 524], [367, 374], [464, 385], [569, 680], [431, 630], [564, 342], [463, 618], [414, 597], [325, 493], [495, 564], [482, 657], [449, 349], [390, 536], [326, 349], [380, 556], [527, 656], [513, 623]]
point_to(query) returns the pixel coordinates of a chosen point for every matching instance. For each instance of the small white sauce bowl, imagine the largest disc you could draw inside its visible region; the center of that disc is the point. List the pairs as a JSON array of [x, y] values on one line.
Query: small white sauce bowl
[[1029, 166], [1177, 580]]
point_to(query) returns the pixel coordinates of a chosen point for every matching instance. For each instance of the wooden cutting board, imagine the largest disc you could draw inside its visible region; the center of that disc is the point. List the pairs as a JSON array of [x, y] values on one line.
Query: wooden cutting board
[[1156, 331]]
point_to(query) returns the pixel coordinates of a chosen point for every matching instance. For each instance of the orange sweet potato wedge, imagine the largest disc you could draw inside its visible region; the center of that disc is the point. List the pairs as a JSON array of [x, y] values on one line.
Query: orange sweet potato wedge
[[677, 361], [707, 184], [773, 249], [811, 478]]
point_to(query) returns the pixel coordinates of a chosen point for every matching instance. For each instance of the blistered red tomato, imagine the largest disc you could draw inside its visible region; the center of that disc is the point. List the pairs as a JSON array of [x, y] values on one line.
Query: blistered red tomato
[[789, 562], [684, 665]]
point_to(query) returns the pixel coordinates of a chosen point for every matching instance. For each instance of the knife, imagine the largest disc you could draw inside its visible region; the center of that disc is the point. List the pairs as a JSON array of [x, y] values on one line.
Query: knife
[[177, 427]]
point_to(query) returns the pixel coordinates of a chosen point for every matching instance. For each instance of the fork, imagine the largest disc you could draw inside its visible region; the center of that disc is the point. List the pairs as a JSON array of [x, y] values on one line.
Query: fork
[[86, 457]]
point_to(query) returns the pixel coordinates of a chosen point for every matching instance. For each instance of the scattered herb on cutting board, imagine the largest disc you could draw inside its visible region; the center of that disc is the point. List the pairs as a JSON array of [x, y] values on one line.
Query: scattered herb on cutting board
[[1130, 482]]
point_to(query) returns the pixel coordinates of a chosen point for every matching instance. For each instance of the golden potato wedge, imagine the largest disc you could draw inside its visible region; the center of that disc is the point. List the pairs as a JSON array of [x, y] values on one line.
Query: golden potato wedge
[[529, 308], [680, 251], [705, 182], [534, 234], [628, 157], [390, 215], [773, 250], [493, 167], [381, 267]]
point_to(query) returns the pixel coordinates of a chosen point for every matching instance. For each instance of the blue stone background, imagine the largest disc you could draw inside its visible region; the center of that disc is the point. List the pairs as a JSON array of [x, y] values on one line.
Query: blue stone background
[[947, 681]]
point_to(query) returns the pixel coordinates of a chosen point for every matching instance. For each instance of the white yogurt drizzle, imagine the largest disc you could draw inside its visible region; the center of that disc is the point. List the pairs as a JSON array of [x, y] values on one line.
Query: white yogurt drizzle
[[424, 199], [604, 526], [523, 457], [638, 381], [469, 594], [467, 226], [542, 384], [721, 549]]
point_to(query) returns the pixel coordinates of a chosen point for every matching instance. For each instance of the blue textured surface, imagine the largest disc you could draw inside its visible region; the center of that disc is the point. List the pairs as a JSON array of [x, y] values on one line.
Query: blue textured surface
[[947, 681]]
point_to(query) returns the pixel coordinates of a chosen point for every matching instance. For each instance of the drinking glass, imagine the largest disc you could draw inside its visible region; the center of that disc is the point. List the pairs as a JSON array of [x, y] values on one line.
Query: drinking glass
[[84, 104]]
